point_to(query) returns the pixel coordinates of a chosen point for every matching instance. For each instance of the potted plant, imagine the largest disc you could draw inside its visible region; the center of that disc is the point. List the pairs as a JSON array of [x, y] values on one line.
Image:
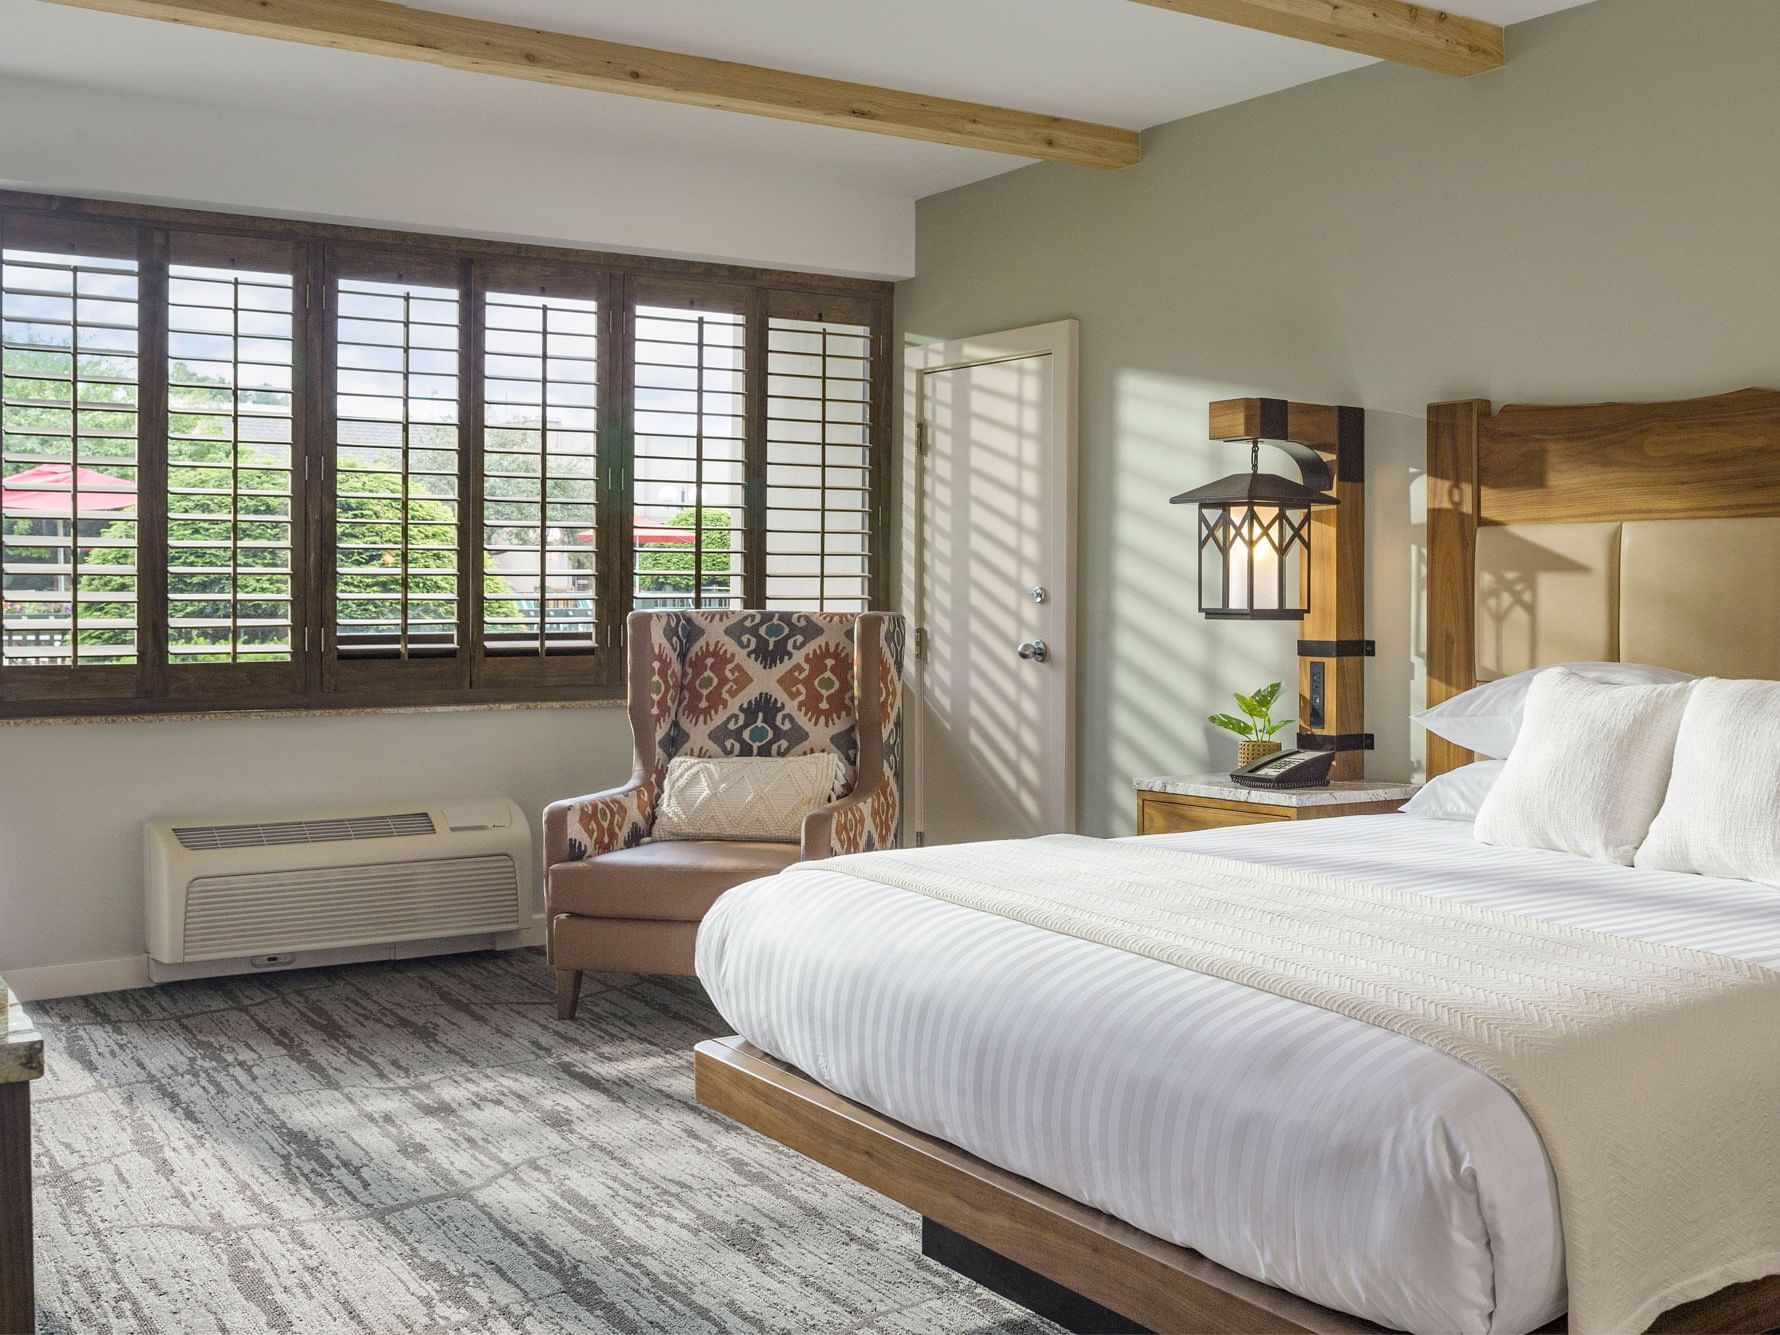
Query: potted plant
[[1256, 726]]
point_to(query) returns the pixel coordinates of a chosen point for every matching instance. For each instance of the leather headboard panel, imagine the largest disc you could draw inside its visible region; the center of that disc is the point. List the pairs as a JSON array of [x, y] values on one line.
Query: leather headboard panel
[[1702, 595], [1546, 593]]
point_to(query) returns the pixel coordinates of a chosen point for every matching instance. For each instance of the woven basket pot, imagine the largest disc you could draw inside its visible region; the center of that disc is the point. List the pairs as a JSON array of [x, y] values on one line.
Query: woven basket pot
[[1247, 753]]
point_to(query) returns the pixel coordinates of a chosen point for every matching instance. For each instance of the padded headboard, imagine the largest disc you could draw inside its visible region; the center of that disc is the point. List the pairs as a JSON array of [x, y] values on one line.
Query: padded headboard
[[1701, 595], [1645, 533]]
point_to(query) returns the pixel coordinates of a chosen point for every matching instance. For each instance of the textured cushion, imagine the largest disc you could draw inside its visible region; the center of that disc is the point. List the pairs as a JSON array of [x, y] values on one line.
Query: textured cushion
[[1721, 816], [744, 798], [1487, 718], [675, 881], [1457, 795], [1589, 770]]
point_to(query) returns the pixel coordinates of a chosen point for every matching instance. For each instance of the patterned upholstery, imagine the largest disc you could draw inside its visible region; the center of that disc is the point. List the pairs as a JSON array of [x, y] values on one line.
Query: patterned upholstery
[[872, 819], [722, 683]]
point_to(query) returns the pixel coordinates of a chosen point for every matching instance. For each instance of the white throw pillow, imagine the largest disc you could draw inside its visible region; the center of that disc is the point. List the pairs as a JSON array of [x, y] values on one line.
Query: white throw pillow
[[1487, 718], [1457, 794], [745, 797], [1590, 769], [1721, 816]]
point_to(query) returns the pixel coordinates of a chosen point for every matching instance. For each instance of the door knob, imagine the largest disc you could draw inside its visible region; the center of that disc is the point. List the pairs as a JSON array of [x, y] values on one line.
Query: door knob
[[1036, 650]]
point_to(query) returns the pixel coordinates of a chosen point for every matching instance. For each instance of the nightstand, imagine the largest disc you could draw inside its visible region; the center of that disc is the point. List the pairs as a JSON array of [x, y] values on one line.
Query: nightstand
[[21, 1062], [1211, 801]]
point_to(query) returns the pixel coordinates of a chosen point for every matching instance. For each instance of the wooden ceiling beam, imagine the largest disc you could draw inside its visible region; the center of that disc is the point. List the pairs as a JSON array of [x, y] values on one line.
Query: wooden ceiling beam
[[1409, 34], [381, 27]]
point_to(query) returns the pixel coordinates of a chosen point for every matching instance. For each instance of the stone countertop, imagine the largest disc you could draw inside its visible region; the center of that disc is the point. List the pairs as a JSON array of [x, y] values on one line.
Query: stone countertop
[[21, 1051], [1338, 792]]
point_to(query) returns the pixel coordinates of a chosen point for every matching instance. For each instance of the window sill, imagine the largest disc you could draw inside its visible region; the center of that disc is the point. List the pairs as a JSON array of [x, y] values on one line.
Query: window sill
[[344, 711]]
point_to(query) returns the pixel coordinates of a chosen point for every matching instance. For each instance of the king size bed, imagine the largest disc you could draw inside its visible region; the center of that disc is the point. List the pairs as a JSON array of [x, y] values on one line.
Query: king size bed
[[1189, 1149]]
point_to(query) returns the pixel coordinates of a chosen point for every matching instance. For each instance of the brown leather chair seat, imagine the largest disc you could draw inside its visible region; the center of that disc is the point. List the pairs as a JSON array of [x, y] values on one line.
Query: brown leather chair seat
[[671, 880]]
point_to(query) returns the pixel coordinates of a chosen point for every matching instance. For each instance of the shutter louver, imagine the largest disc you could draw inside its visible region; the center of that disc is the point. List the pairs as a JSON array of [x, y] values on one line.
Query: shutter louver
[[230, 467], [69, 452], [689, 461], [539, 474], [396, 509], [818, 465], [253, 464]]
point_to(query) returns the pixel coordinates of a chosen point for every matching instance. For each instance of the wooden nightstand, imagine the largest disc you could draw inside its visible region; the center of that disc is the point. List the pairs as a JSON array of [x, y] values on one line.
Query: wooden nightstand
[[21, 1062], [1211, 801]]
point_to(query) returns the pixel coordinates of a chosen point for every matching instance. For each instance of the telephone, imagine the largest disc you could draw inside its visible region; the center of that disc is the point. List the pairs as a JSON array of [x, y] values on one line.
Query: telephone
[[1288, 769]]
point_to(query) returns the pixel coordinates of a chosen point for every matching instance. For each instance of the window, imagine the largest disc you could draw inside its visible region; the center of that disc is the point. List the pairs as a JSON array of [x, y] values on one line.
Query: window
[[255, 464], [231, 467], [397, 578], [69, 444], [540, 473], [690, 511], [818, 464]]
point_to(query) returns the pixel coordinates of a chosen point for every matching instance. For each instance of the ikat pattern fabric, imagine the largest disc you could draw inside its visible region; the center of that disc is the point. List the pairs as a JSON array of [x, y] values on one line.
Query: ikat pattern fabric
[[873, 824], [764, 684]]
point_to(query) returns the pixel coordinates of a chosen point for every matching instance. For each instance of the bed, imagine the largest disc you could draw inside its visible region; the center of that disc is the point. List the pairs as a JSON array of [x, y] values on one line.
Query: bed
[[1186, 1153]]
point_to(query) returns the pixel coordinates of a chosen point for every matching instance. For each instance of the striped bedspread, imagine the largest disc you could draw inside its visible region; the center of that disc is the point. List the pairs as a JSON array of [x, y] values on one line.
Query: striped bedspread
[[1347, 1163], [1650, 1071]]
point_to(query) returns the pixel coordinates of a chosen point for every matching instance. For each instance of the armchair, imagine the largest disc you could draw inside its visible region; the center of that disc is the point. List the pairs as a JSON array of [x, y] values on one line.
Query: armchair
[[720, 683]]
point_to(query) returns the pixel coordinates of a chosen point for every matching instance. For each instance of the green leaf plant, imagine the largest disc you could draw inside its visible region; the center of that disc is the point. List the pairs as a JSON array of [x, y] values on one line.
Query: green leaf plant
[[1256, 723]]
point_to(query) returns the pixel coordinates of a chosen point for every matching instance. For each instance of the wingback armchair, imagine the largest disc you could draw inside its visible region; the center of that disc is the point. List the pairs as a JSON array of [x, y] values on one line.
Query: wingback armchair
[[721, 683]]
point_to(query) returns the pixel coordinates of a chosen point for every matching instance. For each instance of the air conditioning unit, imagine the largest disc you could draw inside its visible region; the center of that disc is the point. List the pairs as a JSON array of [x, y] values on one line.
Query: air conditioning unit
[[286, 892]]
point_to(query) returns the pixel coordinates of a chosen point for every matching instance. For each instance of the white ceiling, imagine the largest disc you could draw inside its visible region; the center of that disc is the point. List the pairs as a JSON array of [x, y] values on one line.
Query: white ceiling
[[1114, 61]]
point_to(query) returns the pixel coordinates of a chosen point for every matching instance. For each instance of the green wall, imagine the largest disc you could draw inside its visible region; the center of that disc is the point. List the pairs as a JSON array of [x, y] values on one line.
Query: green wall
[[1598, 219]]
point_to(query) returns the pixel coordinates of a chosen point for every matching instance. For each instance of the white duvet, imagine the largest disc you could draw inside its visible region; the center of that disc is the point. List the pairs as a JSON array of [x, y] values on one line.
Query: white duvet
[[1343, 1162]]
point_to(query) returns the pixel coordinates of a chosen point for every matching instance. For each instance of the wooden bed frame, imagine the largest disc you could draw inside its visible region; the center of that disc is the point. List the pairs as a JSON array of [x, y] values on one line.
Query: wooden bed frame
[[1712, 458], [1702, 458]]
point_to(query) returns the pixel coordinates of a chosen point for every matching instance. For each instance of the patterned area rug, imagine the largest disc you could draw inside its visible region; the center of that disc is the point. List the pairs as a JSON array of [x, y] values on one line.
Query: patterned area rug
[[422, 1146]]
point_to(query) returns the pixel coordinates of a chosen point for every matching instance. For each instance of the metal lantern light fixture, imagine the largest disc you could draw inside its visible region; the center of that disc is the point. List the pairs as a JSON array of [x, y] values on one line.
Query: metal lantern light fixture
[[1254, 537], [1256, 562]]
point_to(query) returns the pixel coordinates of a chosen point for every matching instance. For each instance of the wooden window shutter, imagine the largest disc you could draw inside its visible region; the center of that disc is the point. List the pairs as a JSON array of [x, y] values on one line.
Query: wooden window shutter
[[820, 438], [546, 559], [260, 463], [234, 535], [689, 513], [73, 491], [397, 470]]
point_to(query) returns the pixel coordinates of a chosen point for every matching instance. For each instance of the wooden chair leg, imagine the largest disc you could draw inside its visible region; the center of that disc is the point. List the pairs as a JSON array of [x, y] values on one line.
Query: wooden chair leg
[[568, 993]]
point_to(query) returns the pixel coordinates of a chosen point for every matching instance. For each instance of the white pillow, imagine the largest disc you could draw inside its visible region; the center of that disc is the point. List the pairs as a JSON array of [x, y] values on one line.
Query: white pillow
[[745, 797], [1590, 769], [1486, 719], [1721, 816], [1456, 795]]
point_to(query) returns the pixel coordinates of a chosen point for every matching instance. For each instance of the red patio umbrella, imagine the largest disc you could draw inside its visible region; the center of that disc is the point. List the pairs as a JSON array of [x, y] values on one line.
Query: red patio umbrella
[[51, 489], [648, 533]]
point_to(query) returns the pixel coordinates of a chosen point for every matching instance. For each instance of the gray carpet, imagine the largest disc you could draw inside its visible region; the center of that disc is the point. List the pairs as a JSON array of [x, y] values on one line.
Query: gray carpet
[[422, 1146]]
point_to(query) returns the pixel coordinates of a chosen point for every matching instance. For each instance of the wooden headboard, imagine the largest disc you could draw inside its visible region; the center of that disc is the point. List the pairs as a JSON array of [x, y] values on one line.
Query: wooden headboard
[[1611, 466]]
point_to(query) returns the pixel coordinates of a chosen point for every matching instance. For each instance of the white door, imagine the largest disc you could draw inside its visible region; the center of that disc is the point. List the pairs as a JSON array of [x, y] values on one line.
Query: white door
[[988, 573]]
